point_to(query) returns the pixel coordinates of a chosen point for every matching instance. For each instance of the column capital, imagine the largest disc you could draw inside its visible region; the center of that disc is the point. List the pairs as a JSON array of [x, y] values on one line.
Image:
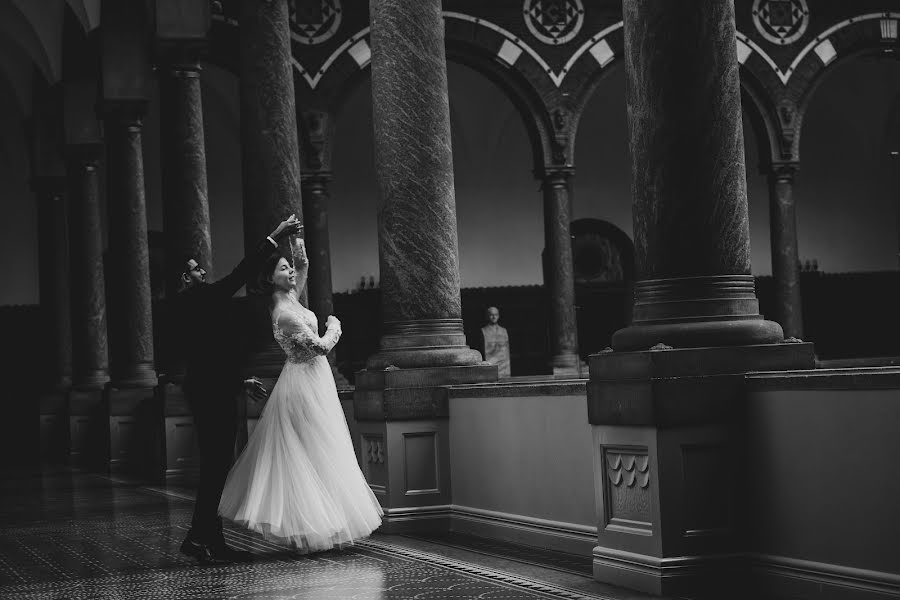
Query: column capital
[[87, 155], [555, 174], [180, 68], [128, 112], [316, 178], [783, 170]]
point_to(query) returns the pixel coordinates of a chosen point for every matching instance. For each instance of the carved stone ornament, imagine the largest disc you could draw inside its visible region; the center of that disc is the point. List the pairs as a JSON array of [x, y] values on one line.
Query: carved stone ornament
[[554, 22], [374, 452], [628, 470], [314, 21], [781, 22]]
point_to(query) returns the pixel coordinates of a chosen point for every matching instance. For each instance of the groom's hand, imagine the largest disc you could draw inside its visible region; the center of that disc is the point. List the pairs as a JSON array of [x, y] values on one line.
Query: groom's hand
[[255, 389]]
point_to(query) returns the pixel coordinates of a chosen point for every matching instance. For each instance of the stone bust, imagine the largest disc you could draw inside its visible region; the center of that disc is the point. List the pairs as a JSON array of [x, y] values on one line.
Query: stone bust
[[496, 342]]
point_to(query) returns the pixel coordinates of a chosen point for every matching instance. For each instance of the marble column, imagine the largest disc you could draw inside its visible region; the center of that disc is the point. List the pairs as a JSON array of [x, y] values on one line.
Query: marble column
[[785, 256], [90, 363], [400, 402], [269, 147], [183, 154], [53, 257], [692, 237], [132, 320], [418, 259], [559, 276], [315, 216]]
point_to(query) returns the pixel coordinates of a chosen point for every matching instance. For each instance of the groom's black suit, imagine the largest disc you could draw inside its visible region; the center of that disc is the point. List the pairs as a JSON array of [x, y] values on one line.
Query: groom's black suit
[[215, 350]]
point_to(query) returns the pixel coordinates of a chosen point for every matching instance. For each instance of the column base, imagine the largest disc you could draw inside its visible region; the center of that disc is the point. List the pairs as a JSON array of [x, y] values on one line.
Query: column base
[[696, 312], [138, 376], [403, 436], [422, 344], [92, 380], [702, 334], [568, 365]]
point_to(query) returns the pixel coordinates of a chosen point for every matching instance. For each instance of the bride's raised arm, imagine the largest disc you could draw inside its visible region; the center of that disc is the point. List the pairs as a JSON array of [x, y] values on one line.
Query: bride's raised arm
[[301, 261]]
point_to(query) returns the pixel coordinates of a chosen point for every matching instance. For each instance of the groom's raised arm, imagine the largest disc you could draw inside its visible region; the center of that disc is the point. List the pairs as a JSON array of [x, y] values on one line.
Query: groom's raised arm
[[252, 263], [249, 265]]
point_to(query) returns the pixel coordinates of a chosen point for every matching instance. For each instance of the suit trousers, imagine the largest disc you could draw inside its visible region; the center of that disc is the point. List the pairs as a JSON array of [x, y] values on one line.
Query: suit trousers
[[215, 420]]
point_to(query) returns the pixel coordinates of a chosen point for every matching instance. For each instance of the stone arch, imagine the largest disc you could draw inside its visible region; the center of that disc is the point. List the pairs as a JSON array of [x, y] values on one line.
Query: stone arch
[[861, 35], [348, 67], [604, 52], [87, 12], [20, 38]]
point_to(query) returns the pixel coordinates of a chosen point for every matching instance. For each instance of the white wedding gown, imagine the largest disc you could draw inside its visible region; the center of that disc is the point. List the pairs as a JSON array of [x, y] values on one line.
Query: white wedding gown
[[297, 481]]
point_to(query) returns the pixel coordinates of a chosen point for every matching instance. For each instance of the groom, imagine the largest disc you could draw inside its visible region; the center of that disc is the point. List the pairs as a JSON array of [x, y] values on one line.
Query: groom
[[214, 350]]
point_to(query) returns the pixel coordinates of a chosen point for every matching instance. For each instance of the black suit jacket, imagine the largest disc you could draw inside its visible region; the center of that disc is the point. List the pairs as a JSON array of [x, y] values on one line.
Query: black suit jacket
[[215, 336]]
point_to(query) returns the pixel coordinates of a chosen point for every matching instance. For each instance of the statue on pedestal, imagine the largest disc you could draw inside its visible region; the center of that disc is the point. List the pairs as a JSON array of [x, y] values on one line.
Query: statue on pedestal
[[496, 342]]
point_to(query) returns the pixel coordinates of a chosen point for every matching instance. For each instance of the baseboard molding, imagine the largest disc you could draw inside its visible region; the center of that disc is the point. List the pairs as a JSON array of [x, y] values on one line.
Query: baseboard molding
[[666, 576], [530, 531], [808, 579]]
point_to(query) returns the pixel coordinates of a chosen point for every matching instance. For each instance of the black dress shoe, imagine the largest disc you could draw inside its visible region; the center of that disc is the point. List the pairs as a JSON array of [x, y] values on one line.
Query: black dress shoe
[[221, 551], [199, 551]]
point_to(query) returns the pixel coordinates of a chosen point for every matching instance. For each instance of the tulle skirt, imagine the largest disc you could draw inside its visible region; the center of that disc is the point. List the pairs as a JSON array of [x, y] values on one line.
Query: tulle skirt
[[297, 481]]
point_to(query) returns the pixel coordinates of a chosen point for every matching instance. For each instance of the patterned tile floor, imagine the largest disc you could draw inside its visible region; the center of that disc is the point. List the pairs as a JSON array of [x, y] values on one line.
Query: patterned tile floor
[[66, 535]]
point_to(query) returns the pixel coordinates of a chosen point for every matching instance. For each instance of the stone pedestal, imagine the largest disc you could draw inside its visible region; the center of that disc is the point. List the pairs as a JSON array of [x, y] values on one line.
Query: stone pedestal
[[692, 238], [133, 429], [669, 463], [172, 448], [403, 437], [785, 254], [88, 428], [559, 275], [397, 400], [315, 233]]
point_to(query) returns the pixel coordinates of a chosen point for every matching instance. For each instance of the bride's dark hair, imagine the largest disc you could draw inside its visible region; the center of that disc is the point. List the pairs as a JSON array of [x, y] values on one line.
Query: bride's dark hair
[[264, 279]]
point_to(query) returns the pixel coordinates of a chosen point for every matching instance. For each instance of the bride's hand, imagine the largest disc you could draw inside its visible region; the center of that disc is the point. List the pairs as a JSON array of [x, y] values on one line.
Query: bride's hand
[[332, 321]]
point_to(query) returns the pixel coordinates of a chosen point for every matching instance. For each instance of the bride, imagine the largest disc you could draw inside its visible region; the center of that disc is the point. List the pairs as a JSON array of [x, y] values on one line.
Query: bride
[[297, 481]]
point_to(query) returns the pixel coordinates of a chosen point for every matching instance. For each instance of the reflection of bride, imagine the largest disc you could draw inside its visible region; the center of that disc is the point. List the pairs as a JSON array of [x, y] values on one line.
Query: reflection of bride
[[297, 481]]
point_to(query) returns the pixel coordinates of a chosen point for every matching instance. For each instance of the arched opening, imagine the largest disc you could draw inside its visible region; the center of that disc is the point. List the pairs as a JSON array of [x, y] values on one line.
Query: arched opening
[[844, 188], [847, 209], [498, 203]]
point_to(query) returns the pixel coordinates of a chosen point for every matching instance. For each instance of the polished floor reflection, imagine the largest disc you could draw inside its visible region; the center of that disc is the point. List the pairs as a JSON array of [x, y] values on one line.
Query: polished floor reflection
[[75, 535]]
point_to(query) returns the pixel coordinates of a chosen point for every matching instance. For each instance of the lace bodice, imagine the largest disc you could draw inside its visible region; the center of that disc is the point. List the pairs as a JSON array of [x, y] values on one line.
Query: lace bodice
[[296, 330]]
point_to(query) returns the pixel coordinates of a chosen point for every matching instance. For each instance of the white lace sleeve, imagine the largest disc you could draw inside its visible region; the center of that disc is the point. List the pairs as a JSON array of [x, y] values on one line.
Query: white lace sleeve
[[299, 341]]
